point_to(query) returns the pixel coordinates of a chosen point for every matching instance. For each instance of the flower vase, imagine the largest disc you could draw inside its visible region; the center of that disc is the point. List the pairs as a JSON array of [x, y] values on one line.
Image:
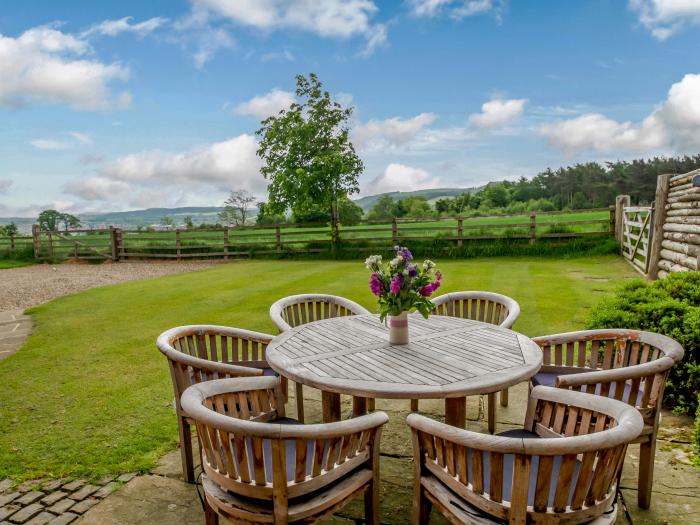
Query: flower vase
[[398, 329]]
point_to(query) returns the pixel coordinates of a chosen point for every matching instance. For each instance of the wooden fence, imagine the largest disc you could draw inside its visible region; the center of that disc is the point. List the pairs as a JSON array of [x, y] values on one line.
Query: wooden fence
[[117, 244]]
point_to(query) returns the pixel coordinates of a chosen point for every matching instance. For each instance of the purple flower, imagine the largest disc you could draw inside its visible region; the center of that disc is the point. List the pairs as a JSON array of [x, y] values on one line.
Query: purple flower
[[412, 270], [395, 284], [375, 284], [404, 252], [428, 289], [436, 285], [438, 275]]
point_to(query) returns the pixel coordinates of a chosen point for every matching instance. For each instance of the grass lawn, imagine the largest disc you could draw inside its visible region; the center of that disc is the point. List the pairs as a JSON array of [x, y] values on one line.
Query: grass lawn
[[89, 394], [12, 263]]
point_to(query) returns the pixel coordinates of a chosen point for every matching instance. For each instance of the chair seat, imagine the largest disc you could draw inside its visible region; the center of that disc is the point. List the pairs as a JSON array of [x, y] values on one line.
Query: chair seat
[[467, 513], [302, 509], [269, 372], [550, 378]]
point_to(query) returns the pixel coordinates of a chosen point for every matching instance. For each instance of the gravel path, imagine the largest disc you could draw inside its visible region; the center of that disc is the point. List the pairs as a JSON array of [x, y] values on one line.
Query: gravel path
[[31, 285]]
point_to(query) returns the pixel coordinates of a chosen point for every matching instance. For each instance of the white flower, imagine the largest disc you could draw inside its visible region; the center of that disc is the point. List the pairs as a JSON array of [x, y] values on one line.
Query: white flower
[[428, 264], [373, 262], [395, 261]]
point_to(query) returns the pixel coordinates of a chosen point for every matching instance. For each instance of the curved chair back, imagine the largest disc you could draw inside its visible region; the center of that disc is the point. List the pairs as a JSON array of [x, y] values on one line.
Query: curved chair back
[[488, 307], [296, 310], [248, 453], [563, 469], [627, 365]]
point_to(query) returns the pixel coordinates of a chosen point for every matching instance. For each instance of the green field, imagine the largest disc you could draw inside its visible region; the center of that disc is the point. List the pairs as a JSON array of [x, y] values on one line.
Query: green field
[[294, 238], [89, 394], [11, 263]]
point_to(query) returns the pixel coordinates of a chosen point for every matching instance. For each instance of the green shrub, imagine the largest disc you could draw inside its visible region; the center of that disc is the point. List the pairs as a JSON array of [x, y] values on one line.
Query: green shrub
[[669, 306], [697, 428]]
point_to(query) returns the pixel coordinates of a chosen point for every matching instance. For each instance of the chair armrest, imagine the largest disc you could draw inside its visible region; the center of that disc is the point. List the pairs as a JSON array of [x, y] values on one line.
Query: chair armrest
[[213, 366], [337, 429], [615, 374]]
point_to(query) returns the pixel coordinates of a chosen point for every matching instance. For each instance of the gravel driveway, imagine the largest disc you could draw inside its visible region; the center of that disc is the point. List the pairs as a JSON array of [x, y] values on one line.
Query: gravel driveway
[[31, 285]]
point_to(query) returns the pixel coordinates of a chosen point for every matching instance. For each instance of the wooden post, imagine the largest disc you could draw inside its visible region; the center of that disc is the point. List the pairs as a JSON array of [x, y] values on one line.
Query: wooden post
[[460, 231], [36, 240], [114, 243], [394, 232], [621, 202], [178, 246], [657, 228], [226, 242], [12, 243], [51, 253], [533, 228], [278, 239], [120, 244], [611, 228]]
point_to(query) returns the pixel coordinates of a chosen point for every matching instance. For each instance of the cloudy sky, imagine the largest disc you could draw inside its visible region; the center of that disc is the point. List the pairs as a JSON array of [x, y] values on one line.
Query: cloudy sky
[[131, 104]]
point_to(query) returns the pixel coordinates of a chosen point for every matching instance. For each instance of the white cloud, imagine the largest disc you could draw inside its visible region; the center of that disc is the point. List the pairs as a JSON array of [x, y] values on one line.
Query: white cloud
[[124, 25], [5, 185], [497, 112], [456, 9], [209, 41], [328, 18], [664, 18], [45, 65], [675, 124], [263, 106], [155, 177], [378, 134], [278, 55], [399, 177], [62, 144]]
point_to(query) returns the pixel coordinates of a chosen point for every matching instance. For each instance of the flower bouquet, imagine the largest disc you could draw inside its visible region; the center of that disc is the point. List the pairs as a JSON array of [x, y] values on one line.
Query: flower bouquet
[[402, 286]]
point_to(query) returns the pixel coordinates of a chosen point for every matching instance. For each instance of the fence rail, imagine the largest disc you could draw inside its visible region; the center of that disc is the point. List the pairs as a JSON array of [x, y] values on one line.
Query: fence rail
[[283, 239]]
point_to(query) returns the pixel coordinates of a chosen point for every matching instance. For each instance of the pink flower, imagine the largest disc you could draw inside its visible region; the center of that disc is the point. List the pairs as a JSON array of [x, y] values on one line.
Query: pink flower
[[395, 285], [375, 284]]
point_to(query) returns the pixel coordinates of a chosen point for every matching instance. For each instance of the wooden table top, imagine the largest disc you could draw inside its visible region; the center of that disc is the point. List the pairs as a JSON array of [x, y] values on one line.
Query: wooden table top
[[446, 357]]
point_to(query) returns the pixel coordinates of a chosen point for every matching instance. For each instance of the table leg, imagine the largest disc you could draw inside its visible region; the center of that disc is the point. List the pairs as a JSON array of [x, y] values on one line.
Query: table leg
[[492, 412], [359, 406], [331, 406], [456, 411]]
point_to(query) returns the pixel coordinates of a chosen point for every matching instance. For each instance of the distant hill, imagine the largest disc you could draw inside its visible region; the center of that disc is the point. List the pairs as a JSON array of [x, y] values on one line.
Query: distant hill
[[200, 214], [431, 195]]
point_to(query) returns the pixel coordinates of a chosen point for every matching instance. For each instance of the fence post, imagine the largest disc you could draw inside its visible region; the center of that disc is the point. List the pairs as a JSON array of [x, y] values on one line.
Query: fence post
[[533, 228], [177, 243], [51, 252], [36, 240], [621, 201], [226, 240], [394, 232], [611, 228], [113, 242], [278, 239], [12, 243], [657, 229], [460, 231]]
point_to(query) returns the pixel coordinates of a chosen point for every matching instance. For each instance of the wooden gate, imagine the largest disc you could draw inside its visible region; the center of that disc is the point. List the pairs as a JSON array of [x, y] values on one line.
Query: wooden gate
[[636, 235], [74, 244]]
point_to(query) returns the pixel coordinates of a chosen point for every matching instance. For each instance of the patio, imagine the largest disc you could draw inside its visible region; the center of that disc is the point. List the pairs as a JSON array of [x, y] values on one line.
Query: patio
[[162, 497]]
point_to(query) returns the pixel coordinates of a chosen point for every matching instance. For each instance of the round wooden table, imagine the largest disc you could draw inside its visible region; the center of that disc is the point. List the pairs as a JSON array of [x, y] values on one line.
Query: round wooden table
[[447, 357]]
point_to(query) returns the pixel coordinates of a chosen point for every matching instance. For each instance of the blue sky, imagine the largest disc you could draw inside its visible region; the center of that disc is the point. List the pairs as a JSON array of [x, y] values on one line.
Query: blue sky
[[103, 112]]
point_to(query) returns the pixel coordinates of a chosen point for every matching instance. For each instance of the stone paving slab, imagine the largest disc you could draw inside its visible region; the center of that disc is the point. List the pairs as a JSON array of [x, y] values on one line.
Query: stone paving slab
[[14, 330]]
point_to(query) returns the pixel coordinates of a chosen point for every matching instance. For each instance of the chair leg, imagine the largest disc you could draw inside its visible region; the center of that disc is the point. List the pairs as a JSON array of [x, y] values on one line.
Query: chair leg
[[647, 451], [504, 398], [371, 402], [421, 508], [186, 450], [491, 409], [210, 516], [299, 397], [284, 385], [372, 504], [414, 405]]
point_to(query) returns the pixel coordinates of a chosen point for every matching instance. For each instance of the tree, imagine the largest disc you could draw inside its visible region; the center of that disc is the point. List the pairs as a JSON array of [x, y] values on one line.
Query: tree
[[309, 159], [237, 206], [69, 221], [383, 209], [167, 221], [9, 230], [189, 223], [49, 220]]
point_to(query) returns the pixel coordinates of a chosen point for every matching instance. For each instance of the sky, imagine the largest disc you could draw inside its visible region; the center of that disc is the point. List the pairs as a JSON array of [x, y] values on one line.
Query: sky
[[110, 106]]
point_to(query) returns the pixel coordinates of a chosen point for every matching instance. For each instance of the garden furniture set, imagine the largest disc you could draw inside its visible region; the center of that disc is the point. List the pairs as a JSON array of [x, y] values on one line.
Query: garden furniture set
[[592, 394]]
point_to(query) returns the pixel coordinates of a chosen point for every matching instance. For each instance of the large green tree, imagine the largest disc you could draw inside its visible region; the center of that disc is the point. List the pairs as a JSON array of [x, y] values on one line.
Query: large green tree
[[50, 220], [310, 162]]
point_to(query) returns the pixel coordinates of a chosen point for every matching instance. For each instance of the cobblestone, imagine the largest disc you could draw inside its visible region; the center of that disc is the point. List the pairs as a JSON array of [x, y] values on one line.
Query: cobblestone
[[30, 497], [63, 519], [54, 497], [125, 478], [84, 492], [61, 506], [41, 519], [8, 510], [25, 513], [73, 485], [5, 484], [106, 490], [84, 506], [8, 498]]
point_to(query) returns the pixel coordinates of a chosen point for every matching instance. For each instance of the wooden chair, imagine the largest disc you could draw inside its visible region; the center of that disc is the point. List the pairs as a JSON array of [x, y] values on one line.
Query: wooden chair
[[199, 353], [297, 310], [488, 307], [260, 467], [628, 365], [561, 468]]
